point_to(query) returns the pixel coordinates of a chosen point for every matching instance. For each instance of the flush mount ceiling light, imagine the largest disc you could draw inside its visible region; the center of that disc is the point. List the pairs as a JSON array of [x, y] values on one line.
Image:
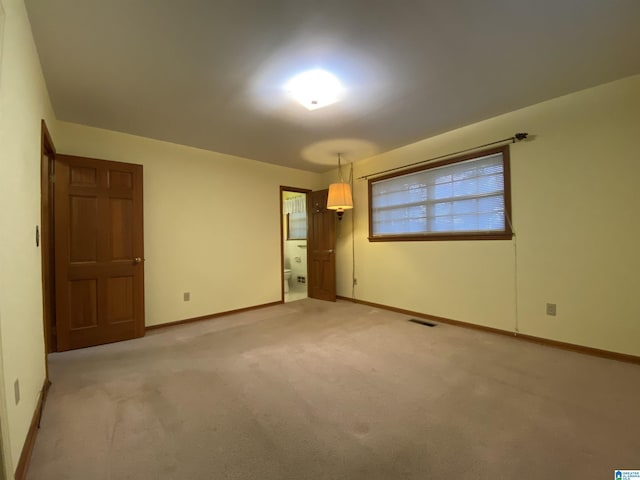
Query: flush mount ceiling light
[[315, 89]]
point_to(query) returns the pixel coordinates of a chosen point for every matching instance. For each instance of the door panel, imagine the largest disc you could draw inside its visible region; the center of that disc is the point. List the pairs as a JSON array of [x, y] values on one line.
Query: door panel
[[118, 179], [83, 231], [83, 176], [321, 248], [98, 236], [121, 215], [120, 307], [83, 304]]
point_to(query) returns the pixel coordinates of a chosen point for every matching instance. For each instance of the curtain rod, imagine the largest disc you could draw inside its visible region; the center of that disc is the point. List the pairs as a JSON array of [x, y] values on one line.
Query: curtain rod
[[516, 138]]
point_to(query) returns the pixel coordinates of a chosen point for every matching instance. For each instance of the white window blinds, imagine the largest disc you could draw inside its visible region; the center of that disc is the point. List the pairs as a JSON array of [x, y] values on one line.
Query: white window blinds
[[463, 197], [295, 209], [297, 226]]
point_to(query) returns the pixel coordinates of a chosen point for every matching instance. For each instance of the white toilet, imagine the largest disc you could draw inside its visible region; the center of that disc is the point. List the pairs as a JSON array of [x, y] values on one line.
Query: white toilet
[[287, 276]]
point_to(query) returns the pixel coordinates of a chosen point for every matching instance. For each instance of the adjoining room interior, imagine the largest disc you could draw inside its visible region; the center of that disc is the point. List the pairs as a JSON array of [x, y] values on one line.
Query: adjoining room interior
[[294, 234], [466, 304]]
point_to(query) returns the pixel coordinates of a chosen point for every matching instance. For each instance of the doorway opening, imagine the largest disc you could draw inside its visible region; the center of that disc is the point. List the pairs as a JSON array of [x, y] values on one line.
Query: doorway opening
[[81, 262], [294, 222], [47, 173]]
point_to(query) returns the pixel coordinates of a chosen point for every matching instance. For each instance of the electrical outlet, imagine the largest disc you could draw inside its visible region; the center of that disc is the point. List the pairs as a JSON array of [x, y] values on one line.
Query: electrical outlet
[[551, 309], [186, 296], [16, 390]]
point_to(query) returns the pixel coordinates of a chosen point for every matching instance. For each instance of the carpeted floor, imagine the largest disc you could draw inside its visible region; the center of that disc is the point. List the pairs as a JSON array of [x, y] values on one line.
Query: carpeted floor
[[314, 390]]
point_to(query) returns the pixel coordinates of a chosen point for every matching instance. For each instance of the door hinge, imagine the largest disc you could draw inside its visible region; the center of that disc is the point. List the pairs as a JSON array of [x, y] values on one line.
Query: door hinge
[[52, 178]]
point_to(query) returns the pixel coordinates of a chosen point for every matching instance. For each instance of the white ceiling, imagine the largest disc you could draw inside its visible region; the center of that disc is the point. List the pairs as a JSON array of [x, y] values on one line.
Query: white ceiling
[[210, 73]]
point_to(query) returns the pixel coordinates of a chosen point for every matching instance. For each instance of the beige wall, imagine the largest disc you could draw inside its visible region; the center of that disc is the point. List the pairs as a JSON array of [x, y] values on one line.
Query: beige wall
[[212, 222], [23, 103], [575, 209]]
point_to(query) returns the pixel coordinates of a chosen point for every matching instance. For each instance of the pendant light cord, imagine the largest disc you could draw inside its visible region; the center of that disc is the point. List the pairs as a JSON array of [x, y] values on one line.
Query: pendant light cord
[[353, 240]]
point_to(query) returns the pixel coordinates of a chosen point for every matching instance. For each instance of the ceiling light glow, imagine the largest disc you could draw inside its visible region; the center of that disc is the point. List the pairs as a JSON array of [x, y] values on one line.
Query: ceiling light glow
[[315, 89]]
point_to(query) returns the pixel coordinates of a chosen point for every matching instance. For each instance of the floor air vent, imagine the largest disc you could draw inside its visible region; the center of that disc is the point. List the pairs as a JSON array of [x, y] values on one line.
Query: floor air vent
[[426, 323]]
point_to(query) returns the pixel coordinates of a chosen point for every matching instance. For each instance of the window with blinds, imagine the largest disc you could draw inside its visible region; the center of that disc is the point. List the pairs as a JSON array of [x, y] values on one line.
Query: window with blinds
[[297, 226], [462, 198]]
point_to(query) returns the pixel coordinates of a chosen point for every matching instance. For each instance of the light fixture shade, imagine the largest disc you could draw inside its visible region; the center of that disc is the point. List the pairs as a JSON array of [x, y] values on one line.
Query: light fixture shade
[[339, 197], [315, 89]]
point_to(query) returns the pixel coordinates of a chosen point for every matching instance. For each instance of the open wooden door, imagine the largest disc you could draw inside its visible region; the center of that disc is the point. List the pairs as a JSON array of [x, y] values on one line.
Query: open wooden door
[[99, 253], [321, 238]]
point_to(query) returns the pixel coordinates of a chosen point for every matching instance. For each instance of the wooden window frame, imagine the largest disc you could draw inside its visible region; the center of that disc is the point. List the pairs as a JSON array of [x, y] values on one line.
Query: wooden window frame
[[506, 234]]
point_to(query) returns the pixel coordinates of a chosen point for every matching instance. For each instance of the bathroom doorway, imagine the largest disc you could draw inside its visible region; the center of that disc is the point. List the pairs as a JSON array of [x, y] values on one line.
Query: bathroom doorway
[[294, 225]]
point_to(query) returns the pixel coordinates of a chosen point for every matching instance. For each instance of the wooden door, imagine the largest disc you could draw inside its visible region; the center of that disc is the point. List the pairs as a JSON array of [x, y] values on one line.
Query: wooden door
[[321, 248], [98, 252]]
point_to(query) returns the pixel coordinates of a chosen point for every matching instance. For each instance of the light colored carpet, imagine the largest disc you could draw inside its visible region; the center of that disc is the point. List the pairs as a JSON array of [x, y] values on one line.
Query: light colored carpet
[[314, 390]]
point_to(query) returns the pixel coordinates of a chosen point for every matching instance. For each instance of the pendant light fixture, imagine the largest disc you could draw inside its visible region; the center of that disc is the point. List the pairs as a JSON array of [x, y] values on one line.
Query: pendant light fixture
[[340, 198]]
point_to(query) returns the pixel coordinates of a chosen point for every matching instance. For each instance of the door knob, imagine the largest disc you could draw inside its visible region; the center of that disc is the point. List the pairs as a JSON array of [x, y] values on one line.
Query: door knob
[[138, 260]]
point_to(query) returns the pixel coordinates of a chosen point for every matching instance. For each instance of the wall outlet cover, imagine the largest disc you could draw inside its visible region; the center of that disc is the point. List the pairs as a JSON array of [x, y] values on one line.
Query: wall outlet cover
[[551, 309]]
